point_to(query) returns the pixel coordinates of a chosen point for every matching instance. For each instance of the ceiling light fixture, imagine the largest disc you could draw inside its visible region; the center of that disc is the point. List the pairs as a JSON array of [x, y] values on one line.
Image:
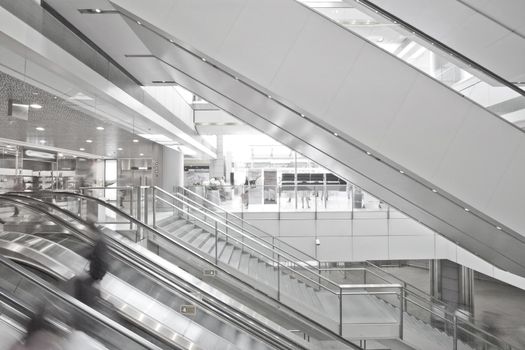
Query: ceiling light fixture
[[401, 171], [35, 106], [81, 149], [100, 128], [42, 141], [335, 134], [467, 209], [135, 141], [61, 154], [499, 228], [98, 10], [139, 23], [89, 141], [120, 149], [142, 154], [434, 190], [368, 153], [39, 128]]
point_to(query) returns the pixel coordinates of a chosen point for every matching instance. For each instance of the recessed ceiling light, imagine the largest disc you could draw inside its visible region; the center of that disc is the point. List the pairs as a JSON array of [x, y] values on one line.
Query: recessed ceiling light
[[74, 156], [499, 228], [434, 190], [120, 148], [81, 149], [42, 141], [141, 154], [54, 97], [98, 10], [61, 154], [467, 209], [39, 128], [401, 171], [336, 134], [139, 23], [35, 106], [100, 128], [135, 140], [10, 146], [171, 41], [368, 153], [203, 59], [89, 141], [302, 115]]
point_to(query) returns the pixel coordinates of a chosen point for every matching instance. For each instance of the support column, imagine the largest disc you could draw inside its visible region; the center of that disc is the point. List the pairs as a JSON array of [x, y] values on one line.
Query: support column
[[452, 284]]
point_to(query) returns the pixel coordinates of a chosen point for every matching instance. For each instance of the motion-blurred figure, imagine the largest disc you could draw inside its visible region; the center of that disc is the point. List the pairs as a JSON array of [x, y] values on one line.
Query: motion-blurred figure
[[86, 288], [41, 335]]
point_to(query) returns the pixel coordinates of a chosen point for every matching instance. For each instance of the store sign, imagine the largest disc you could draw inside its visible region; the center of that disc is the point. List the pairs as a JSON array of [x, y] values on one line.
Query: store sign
[[30, 153]]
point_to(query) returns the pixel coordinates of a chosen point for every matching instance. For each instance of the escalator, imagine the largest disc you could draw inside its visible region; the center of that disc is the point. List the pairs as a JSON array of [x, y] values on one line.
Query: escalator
[[137, 284], [257, 269], [354, 109], [22, 293]]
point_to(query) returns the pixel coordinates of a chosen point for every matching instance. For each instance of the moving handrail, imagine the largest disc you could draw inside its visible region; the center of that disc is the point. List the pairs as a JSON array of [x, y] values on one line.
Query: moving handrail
[[17, 196], [79, 305], [160, 273]]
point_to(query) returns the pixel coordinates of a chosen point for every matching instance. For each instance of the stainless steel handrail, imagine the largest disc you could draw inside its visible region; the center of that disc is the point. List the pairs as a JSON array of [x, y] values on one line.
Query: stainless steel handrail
[[247, 224], [242, 234], [341, 290], [405, 290], [277, 262], [139, 223], [81, 306], [173, 288]]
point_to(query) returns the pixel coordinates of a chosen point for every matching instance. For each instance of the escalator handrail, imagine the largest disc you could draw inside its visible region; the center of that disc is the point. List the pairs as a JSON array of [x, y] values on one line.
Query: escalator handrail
[[79, 305], [24, 196], [433, 42]]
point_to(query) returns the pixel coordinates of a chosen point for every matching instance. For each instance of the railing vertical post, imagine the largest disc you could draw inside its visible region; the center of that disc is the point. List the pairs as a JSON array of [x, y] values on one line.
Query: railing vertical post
[[401, 311], [340, 311], [154, 205], [216, 244], [455, 333], [131, 201], [278, 276], [405, 295], [146, 207]]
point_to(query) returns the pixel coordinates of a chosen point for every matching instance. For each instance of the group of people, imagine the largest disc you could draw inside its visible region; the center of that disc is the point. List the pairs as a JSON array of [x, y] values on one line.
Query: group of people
[[42, 334]]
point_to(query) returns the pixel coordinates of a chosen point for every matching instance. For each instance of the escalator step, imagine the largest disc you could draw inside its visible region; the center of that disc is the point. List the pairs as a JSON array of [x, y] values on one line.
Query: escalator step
[[226, 253]]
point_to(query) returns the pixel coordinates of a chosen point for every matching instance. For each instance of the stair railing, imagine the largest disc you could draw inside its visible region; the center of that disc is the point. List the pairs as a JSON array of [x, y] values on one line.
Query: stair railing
[[457, 323]]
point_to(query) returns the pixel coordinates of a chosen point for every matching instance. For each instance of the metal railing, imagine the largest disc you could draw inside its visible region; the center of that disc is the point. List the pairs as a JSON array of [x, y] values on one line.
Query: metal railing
[[408, 299], [407, 294], [141, 228]]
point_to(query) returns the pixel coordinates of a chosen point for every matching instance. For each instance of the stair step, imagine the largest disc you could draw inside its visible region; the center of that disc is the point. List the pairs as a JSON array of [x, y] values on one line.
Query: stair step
[[235, 258], [174, 225], [209, 245], [181, 231], [226, 253], [189, 236], [201, 238]]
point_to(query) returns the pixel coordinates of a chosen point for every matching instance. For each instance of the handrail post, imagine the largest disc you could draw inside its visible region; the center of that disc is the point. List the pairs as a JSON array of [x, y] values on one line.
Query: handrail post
[[401, 311], [455, 333], [146, 207], [340, 311], [216, 244], [154, 206], [278, 277]]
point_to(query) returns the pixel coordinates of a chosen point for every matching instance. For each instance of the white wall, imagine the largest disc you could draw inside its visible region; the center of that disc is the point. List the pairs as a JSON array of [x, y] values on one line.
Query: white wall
[[370, 236], [172, 169]]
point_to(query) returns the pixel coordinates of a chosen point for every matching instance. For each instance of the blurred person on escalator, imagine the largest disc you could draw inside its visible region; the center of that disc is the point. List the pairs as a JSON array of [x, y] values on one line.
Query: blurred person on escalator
[[40, 335]]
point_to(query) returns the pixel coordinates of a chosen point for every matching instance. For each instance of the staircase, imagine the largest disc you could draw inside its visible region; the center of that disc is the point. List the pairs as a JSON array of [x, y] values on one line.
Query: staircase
[[260, 260]]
